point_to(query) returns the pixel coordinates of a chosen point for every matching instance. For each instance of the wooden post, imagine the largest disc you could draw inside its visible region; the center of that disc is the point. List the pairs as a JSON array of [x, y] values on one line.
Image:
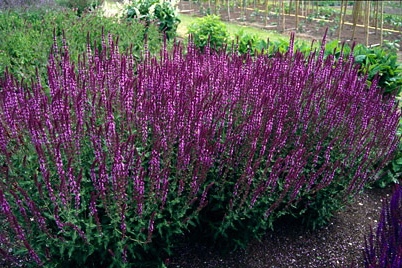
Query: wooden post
[[283, 15], [376, 16], [367, 21], [356, 12], [381, 22], [228, 5], [290, 6], [341, 20], [297, 15]]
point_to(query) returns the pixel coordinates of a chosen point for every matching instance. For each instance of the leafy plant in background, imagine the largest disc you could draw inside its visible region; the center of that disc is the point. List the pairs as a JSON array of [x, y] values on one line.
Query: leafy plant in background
[[163, 13], [384, 247], [122, 161], [327, 3], [392, 172], [377, 61], [248, 43], [392, 45], [80, 5], [208, 30], [24, 4], [394, 20]]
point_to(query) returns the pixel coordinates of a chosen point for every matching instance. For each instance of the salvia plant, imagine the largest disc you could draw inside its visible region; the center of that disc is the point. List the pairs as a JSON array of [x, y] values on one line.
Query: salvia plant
[[115, 160], [384, 247]]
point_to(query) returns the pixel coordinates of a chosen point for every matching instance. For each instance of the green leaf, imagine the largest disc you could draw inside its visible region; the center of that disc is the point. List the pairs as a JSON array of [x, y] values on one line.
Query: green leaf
[[399, 161], [360, 58], [70, 251]]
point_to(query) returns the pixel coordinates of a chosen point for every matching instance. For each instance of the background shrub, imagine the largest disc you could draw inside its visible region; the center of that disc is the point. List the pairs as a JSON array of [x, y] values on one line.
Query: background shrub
[[27, 38], [81, 6], [384, 247], [24, 4], [208, 30], [247, 43], [377, 61], [162, 13], [122, 161]]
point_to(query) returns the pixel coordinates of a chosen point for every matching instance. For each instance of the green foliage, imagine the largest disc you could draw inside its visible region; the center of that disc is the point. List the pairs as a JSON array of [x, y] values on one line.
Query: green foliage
[[394, 20], [160, 12], [84, 242], [208, 30], [329, 3], [316, 210], [28, 36], [322, 13], [80, 5], [377, 61], [392, 173], [248, 43]]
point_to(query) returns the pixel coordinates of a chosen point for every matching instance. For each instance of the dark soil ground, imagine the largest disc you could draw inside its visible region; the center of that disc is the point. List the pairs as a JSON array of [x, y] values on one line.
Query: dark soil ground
[[339, 244]]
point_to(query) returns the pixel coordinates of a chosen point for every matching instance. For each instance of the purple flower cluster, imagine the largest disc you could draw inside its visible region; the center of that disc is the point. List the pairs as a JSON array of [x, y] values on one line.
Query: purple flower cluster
[[384, 248], [180, 124]]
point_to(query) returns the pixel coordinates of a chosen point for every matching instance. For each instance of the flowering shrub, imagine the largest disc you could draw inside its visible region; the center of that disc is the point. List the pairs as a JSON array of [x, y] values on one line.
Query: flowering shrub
[[122, 158], [384, 248]]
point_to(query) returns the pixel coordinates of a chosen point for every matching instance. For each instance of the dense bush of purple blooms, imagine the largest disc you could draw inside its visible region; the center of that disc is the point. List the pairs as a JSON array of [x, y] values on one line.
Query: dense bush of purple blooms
[[120, 157], [384, 248]]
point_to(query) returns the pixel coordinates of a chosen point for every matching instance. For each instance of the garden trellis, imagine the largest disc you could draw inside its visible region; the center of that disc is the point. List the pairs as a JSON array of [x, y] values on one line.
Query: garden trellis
[[366, 14]]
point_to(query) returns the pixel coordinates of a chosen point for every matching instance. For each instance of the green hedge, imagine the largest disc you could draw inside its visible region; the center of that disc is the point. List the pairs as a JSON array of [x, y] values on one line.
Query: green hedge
[[27, 37]]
